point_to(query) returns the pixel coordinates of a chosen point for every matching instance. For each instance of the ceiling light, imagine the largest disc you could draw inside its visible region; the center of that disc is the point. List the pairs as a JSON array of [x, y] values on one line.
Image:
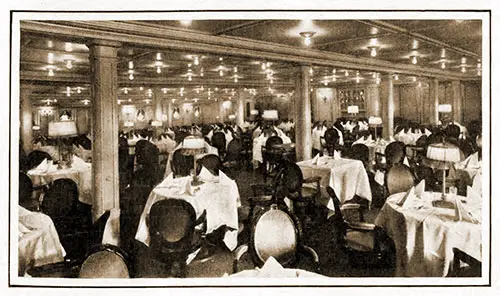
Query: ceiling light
[[125, 90], [141, 88], [307, 37], [69, 63], [263, 66], [158, 56], [357, 79], [131, 65], [202, 88], [50, 58], [131, 74], [396, 77], [346, 73], [443, 53], [464, 60], [334, 71], [51, 72], [462, 69], [189, 65], [221, 73], [235, 79], [119, 102], [68, 46], [68, 91], [50, 44], [164, 90], [334, 78], [186, 23], [373, 50], [413, 59], [129, 99], [374, 75], [414, 79], [86, 102], [55, 100], [158, 69], [443, 65], [325, 82], [196, 60], [414, 44], [235, 69], [78, 90], [419, 84], [221, 59], [190, 78], [311, 71]]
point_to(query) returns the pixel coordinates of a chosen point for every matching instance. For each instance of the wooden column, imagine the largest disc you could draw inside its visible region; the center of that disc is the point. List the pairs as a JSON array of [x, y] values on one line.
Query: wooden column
[[157, 100], [457, 101], [170, 112], [372, 100], [26, 119], [387, 96], [303, 137], [240, 110], [104, 86], [434, 99]]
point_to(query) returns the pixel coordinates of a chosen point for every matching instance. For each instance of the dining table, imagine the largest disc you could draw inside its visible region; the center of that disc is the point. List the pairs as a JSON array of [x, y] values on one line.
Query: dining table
[[426, 230], [347, 177], [38, 241], [80, 172], [217, 195]]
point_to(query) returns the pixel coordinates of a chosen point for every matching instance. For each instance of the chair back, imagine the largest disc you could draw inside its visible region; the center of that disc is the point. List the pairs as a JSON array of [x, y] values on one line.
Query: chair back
[[274, 233], [272, 141], [360, 152], [106, 261], [25, 188], [234, 149], [219, 141], [464, 265], [181, 164], [60, 199], [146, 153], [171, 224], [36, 157], [211, 162], [399, 178], [98, 227], [395, 153], [289, 179]]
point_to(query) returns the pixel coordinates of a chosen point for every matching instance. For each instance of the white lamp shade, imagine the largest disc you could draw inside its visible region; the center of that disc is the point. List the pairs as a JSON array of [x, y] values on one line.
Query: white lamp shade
[[156, 123], [254, 112], [231, 116], [270, 115], [128, 124], [35, 127], [444, 108], [192, 142], [443, 152], [374, 120], [352, 109], [62, 129]]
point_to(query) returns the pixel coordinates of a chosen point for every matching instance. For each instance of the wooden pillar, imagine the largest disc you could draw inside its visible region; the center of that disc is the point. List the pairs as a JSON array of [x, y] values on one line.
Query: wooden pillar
[[240, 111], [303, 137], [170, 112], [372, 100], [457, 101], [157, 101], [104, 86], [387, 96], [434, 99], [26, 119]]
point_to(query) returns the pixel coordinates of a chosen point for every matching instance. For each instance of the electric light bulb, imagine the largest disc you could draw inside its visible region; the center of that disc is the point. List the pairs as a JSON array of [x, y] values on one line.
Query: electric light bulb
[[307, 41], [51, 72], [221, 73], [158, 70], [131, 76], [373, 52]]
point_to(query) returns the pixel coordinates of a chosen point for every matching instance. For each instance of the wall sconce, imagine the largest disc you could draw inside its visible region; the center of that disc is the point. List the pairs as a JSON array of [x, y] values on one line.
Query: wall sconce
[[197, 111], [176, 113]]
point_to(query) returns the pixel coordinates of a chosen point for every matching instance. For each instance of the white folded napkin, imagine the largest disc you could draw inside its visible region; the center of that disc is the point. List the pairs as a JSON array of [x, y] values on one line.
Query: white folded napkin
[[391, 139], [359, 141], [336, 155], [402, 132], [315, 160], [427, 132], [379, 177], [406, 162], [462, 214], [167, 182], [271, 268], [477, 183], [410, 194], [473, 194], [224, 179], [420, 189], [43, 166], [78, 162], [472, 162], [369, 139], [207, 176]]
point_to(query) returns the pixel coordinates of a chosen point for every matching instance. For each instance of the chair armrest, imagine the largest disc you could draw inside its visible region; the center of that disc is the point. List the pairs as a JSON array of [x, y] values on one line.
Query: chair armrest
[[354, 207], [315, 179], [361, 226], [313, 254], [238, 253]]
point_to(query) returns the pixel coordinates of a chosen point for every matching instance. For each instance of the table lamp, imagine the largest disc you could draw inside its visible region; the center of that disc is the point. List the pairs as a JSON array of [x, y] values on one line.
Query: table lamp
[[353, 109], [62, 130], [192, 146], [443, 155], [375, 121]]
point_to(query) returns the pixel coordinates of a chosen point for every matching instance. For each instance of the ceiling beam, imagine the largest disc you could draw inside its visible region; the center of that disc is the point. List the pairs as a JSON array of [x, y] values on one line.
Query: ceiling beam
[[240, 26], [125, 32], [402, 31]]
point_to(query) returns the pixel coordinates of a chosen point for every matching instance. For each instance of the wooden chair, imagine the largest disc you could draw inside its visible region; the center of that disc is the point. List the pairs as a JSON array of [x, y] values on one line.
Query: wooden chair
[[464, 265], [105, 261], [331, 139]]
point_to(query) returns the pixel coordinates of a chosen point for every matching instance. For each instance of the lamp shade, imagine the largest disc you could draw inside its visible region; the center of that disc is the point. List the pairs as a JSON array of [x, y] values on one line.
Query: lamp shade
[[156, 123], [231, 116], [35, 127], [443, 152], [192, 142], [270, 115], [352, 109], [374, 120], [62, 129], [254, 112], [128, 124], [444, 108]]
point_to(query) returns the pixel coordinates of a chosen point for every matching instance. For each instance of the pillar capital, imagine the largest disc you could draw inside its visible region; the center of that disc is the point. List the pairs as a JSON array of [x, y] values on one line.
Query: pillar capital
[[103, 48]]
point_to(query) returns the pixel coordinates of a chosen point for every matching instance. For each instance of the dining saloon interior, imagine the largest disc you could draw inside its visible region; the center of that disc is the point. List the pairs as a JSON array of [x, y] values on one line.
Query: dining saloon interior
[[264, 148]]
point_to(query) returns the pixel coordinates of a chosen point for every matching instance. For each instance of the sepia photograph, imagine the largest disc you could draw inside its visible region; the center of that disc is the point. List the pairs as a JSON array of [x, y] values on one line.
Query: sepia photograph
[[249, 148]]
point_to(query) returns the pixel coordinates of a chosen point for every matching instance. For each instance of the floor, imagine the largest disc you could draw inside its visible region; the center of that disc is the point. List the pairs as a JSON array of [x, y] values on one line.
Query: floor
[[334, 262]]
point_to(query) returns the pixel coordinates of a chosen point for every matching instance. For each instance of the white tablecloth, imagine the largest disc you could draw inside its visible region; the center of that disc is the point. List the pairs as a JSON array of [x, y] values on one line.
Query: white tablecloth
[[261, 141], [38, 241], [220, 199], [424, 237], [347, 177], [82, 175], [408, 138]]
